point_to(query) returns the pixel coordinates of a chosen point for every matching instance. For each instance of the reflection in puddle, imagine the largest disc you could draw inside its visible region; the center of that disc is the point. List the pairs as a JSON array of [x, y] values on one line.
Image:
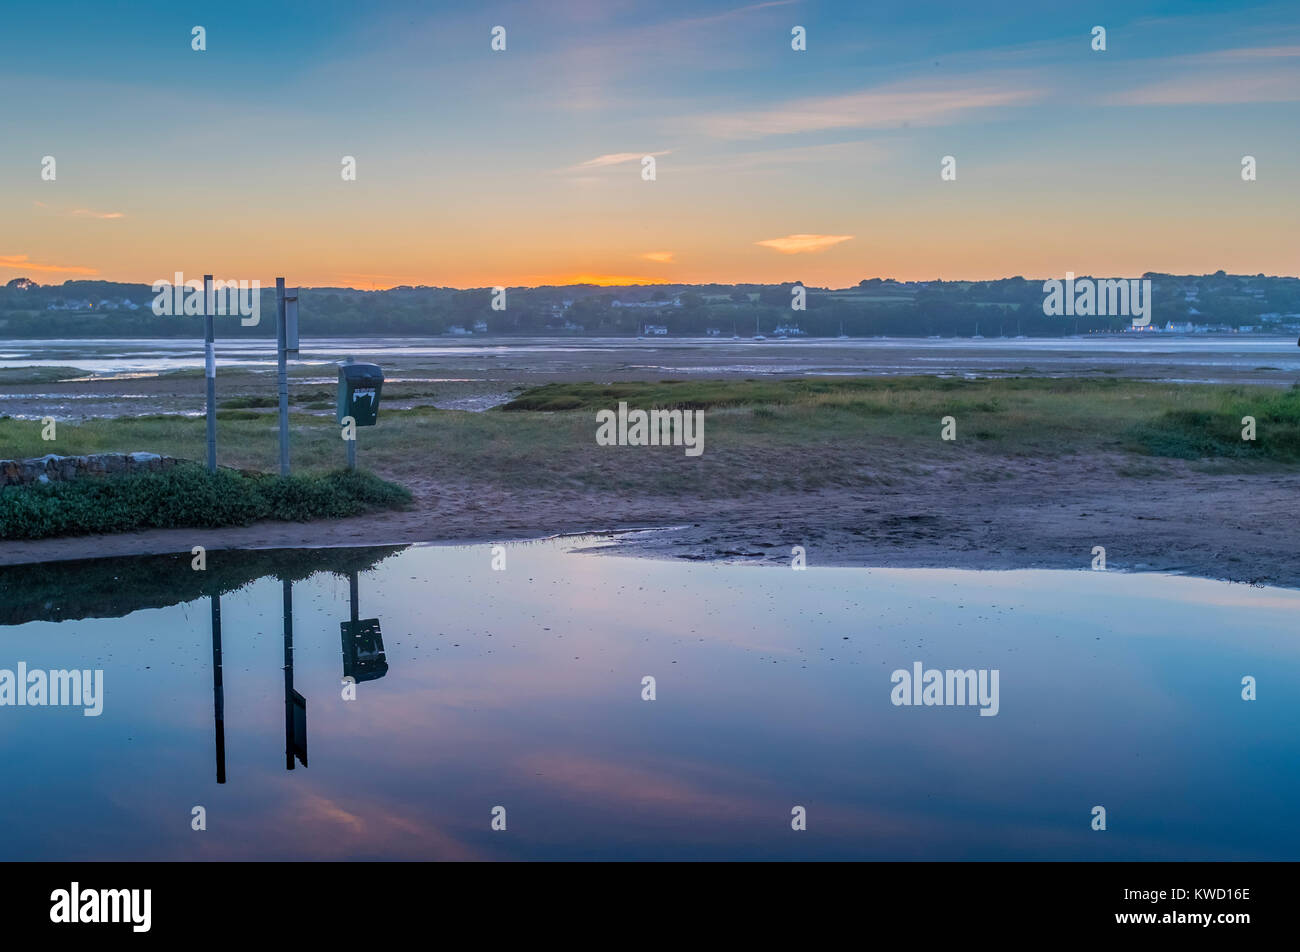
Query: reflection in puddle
[[439, 689]]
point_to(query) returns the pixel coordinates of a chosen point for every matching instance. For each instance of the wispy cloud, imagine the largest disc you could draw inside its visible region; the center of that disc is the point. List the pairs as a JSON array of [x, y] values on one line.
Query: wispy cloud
[[24, 263], [1281, 84], [692, 22], [80, 212], [803, 244], [884, 107], [663, 257], [1252, 53], [781, 159], [613, 158]]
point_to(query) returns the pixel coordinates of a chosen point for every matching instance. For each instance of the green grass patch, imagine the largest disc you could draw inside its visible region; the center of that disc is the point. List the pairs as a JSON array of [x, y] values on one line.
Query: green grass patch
[[1216, 431], [38, 374], [188, 496], [697, 394], [248, 403]]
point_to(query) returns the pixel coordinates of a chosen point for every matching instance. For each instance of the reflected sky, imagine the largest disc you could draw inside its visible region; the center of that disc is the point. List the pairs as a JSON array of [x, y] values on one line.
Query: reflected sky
[[522, 688]]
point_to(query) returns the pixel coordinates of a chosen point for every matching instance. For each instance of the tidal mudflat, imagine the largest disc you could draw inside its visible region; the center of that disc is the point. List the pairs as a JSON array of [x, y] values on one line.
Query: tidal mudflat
[[524, 687], [80, 379]]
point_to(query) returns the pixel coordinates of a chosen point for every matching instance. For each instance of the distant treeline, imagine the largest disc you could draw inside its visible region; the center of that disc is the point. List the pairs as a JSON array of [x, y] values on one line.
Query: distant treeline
[[874, 307]]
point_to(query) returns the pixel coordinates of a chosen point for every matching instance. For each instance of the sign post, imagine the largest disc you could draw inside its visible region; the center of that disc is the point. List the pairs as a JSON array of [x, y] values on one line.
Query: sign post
[[210, 371], [281, 347], [360, 387]]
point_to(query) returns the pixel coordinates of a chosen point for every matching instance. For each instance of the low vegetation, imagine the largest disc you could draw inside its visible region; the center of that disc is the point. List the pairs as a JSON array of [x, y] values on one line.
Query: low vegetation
[[1041, 414], [1216, 431], [188, 496], [760, 436]]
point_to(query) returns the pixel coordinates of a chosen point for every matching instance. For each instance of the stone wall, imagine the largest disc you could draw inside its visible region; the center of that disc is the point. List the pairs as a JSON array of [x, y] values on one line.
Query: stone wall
[[52, 468]]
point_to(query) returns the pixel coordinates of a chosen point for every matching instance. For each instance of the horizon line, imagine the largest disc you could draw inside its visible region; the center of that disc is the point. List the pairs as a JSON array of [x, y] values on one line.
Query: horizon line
[[661, 283]]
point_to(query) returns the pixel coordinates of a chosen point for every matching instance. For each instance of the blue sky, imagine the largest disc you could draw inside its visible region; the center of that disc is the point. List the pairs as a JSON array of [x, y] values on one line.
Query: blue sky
[[478, 167]]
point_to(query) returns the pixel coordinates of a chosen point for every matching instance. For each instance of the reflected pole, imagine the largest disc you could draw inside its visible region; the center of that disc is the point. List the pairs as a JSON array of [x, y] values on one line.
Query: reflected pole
[[288, 673], [352, 591], [218, 689]]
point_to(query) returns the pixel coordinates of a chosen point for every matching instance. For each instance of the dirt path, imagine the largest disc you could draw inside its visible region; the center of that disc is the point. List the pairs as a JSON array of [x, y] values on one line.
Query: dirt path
[[1024, 514]]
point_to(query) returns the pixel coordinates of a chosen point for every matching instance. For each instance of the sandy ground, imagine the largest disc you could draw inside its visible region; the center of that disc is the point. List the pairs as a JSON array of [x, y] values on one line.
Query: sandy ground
[[1036, 514]]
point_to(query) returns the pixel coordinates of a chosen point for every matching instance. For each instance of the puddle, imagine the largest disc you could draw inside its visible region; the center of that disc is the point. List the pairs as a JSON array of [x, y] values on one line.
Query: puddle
[[523, 688]]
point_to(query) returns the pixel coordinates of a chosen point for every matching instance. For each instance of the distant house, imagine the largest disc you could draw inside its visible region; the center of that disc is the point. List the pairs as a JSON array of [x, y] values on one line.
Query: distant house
[[656, 330], [790, 330], [675, 302], [457, 331], [480, 327], [713, 332]]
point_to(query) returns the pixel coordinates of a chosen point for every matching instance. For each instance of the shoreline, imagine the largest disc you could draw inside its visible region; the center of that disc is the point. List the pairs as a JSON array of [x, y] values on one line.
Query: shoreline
[[1046, 514]]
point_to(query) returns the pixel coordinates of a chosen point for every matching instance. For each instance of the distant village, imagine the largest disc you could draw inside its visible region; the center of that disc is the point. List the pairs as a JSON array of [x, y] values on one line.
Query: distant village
[[1219, 303]]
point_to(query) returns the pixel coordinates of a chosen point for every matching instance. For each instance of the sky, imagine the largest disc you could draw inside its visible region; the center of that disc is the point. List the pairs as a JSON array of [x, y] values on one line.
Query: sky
[[524, 166]]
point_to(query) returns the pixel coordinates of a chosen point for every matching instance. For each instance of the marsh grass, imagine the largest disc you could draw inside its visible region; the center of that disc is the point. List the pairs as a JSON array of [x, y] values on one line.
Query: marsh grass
[[1206, 432], [760, 435], [21, 375]]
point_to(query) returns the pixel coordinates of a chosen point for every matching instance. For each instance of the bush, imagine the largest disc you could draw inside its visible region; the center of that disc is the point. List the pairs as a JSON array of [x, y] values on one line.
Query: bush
[[188, 496]]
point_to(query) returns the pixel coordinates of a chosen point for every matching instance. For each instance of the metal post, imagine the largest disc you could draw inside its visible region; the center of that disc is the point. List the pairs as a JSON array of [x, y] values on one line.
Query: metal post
[[218, 690], [352, 593], [210, 370], [283, 371], [352, 451]]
